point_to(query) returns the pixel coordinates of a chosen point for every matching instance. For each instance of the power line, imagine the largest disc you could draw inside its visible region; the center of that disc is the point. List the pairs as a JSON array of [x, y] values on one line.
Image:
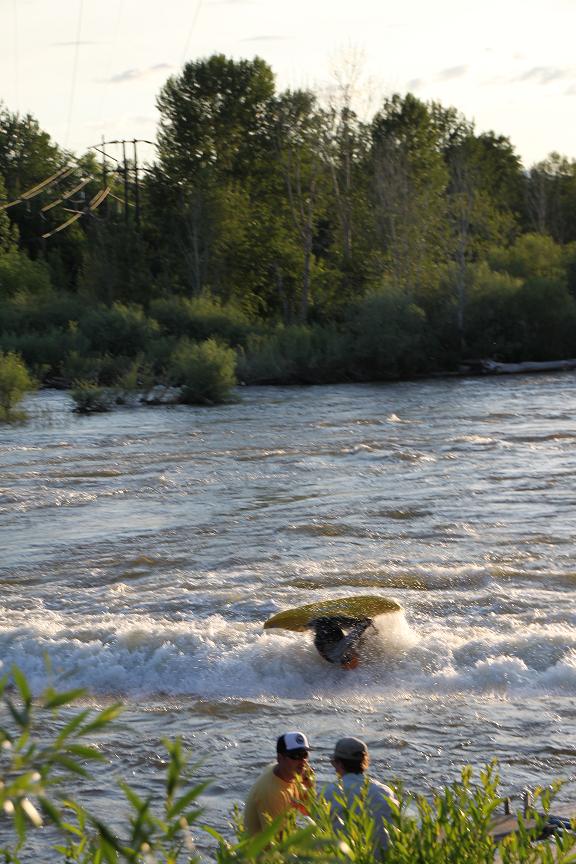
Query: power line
[[36, 190], [65, 197], [16, 57], [95, 202], [190, 31], [108, 67], [74, 70]]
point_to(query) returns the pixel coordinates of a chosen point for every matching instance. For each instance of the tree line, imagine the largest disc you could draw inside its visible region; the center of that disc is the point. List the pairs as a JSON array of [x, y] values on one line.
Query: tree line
[[315, 244]]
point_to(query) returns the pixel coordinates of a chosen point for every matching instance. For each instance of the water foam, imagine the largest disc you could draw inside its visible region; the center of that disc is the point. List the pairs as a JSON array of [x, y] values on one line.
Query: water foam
[[139, 655]]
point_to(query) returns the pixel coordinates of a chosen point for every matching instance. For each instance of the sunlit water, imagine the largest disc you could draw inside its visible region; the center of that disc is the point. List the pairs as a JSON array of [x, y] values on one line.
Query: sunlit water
[[142, 551]]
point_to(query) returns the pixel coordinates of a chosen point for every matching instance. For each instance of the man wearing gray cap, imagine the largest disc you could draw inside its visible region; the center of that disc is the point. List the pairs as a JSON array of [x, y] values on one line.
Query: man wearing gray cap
[[351, 760]]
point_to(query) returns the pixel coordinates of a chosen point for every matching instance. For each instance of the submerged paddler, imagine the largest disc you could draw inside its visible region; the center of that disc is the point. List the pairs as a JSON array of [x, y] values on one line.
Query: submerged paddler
[[333, 644]]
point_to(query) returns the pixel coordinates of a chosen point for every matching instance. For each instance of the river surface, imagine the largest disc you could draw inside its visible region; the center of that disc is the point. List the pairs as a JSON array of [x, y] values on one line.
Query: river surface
[[142, 550]]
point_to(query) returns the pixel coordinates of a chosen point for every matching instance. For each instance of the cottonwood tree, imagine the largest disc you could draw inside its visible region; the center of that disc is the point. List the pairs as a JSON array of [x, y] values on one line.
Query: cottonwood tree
[[213, 141], [410, 180], [345, 142], [476, 214], [299, 129], [551, 196]]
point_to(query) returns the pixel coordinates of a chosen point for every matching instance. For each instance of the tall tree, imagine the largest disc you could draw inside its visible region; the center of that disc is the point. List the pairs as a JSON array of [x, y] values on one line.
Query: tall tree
[[480, 216], [215, 115], [7, 233], [214, 142], [551, 196], [410, 182], [300, 126]]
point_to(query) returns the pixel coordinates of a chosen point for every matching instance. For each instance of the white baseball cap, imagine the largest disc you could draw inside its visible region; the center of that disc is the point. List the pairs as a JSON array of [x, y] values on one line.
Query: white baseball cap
[[292, 741]]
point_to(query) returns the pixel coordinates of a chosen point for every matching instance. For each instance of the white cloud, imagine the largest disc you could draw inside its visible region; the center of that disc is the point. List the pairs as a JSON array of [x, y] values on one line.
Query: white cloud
[[138, 74], [546, 74], [452, 72]]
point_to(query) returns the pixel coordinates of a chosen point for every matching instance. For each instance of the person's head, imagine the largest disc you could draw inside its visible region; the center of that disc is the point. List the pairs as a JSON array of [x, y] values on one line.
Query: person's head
[[292, 751], [350, 756]]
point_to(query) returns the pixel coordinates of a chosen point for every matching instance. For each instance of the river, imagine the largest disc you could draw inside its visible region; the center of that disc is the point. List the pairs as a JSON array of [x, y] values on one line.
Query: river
[[142, 550]]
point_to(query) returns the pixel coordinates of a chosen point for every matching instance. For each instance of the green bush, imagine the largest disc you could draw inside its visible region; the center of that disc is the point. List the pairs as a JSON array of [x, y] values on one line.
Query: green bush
[[492, 327], [15, 382], [20, 275], [390, 336], [514, 320], [205, 371], [296, 355], [201, 318], [46, 353], [118, 329], [26, 313], [532, 256], [90, 398], [548, 315]]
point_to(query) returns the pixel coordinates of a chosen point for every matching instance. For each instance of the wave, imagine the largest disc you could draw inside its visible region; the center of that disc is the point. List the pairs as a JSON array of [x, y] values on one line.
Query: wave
[[140, 656]]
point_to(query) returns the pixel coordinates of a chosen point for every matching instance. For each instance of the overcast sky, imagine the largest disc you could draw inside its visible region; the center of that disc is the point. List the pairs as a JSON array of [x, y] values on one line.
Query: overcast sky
[[92, 68]]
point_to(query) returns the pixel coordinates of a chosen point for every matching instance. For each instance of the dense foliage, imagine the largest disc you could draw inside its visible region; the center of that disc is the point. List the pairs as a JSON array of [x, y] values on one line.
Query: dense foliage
[[318, 245], [41, 818], [15, 382]]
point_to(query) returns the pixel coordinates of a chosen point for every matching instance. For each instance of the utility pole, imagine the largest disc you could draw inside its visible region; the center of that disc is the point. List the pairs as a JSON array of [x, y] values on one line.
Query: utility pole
[[125, 169], [104, 174], [136, 184]]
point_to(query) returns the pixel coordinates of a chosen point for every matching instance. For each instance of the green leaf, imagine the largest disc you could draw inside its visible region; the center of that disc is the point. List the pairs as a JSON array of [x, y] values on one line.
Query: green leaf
[[50, 810], [19, 718], [186, 799], [103, 719], [85, 752], [70, 764], [107, 836], [71, 726], [22, 685], [19, 822], [56, 700], [133, 797]]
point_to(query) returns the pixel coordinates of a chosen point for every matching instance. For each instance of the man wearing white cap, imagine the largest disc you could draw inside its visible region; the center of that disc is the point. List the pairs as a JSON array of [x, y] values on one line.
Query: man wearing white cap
[[277, 789], [351, 760]]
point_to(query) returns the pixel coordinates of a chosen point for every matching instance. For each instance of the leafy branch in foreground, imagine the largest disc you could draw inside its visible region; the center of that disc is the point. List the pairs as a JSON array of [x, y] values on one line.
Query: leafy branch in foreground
[[458, 825], [32, 766]]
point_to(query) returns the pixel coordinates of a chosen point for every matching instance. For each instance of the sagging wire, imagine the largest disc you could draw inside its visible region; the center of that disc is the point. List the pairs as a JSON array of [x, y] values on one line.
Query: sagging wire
[[66, 195], [95, 202], [36, 190]]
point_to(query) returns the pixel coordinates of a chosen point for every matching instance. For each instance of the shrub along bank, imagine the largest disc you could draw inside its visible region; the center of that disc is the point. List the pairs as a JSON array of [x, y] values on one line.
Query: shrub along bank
[[455, 826], [519, 306]]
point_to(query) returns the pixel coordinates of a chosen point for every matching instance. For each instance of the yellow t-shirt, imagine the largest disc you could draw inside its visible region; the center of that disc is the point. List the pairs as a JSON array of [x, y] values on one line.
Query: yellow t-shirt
[[269, 798]]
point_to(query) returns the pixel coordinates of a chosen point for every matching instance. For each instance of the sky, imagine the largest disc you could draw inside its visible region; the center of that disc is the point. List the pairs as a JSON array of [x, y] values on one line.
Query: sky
[[90, 70]]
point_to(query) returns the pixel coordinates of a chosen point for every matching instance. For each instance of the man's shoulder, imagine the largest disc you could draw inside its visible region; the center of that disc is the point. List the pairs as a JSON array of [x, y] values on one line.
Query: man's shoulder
[[264, 776], [330, 789], [381, 788]]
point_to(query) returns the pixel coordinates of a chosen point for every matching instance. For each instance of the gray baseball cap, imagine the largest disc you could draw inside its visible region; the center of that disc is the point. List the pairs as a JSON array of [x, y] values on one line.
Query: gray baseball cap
[[350, 748]]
